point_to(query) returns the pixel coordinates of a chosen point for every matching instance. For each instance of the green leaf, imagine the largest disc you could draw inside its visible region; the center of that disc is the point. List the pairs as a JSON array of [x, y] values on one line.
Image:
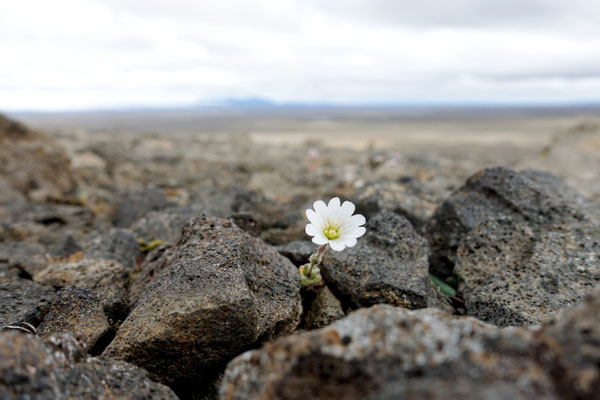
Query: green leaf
[[446, 289]]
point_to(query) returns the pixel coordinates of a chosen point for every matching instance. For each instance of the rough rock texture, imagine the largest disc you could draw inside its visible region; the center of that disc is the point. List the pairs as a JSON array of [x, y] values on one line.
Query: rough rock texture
[[226, 292], [388, 265], [574, 156], [22, 300], [155, 262], [536, 199], [76, 311], [322, 309], [575, 338], [360, 355], [510, 275], [27, 258], [106, 277], [56, 368], [117, 244], [408, 197], [387, 353], [32, 163], [135, 205], [165, 225], [523, 245]]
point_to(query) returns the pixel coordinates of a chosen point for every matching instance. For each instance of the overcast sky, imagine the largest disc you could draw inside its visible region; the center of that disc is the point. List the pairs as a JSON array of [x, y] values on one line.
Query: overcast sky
[[86, 54]]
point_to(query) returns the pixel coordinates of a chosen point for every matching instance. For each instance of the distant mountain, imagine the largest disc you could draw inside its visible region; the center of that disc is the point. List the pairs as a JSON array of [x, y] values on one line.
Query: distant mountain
[[249, 102]]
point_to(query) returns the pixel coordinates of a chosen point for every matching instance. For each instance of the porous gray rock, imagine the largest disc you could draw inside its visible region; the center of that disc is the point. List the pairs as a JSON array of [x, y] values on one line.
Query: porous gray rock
[[116, 244], [511, 275], [388, 265], [536, 199], [574, 337], [135, 205], [76, 311], [521, 244], [22, 300], [322, 309], [56, 368], [381, 351], [106, 277], [225, 292], [164, 225], [408, 197]]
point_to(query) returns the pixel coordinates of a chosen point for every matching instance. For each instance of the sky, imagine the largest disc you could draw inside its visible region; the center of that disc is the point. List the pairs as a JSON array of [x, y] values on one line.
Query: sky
[[108, 54]]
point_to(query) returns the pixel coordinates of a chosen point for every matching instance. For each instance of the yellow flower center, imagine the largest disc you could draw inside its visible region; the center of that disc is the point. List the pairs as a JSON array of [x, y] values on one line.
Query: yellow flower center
[[331, 233]]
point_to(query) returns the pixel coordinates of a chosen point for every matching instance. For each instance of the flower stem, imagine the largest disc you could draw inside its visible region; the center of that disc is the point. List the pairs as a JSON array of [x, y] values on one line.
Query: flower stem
[[320, 253]]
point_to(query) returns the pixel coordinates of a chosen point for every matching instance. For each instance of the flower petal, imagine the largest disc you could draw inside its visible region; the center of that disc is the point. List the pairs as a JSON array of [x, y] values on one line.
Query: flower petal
[[334, 204], [312, 230], [347, 208], [348, 242], [315, 219], [320, 239], [337, 245], [354, 232], [356, 220], [321, 208]]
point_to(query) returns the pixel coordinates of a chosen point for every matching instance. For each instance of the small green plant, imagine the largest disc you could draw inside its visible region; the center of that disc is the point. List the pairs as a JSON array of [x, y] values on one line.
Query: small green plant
[[444, 287], [146, 248]]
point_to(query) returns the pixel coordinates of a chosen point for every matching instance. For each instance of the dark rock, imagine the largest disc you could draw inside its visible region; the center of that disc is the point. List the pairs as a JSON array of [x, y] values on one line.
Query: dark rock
[[119, 245], [388, 265], [65, 247], [22, 300], [384, 350], [138, 204], [575, 339], [32, 163], [535, 199], [409, 198], [323, 309], [164, 225], [26, 258], [511, 275], [521, 245], [76, 311], [56, 368], [247, 222], [298, 252], [226, 292], [106, 277], [155, 262]]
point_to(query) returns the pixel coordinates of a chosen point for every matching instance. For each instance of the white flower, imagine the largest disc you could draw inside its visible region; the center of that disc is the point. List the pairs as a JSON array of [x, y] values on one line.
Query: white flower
[[334, 224]]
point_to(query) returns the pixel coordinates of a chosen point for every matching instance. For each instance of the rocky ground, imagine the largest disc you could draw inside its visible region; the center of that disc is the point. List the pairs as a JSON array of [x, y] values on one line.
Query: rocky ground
[[165, 266]]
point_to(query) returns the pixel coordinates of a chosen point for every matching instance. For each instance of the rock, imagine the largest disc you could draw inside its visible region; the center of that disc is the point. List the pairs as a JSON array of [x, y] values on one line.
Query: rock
[[26, 258], [323, 308], [164, 225], [388, 265], [536, 199], [574, 156], [76, 311], [511, 275], [575, 337], [118, 244], [22, 300], [135, 205], [383, 350], [521, 245], [298, 251], [106, 277], [155, 262], [226, 292], [56, 368], [32, 163], [408, 197]]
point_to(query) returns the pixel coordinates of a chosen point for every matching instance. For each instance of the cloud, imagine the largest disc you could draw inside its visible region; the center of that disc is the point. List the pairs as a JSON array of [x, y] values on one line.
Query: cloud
[[70, 54]]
